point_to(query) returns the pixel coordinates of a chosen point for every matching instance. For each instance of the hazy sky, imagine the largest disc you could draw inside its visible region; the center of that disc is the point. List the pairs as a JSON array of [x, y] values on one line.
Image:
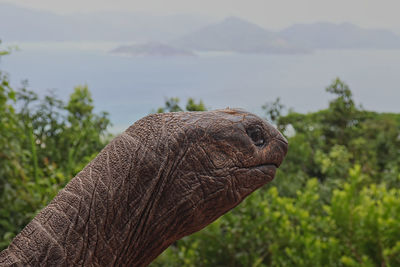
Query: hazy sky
[[272, 14]]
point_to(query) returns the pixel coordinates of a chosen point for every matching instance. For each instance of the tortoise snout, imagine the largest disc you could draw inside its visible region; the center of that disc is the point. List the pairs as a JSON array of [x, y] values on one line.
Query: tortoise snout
[[281, 148]]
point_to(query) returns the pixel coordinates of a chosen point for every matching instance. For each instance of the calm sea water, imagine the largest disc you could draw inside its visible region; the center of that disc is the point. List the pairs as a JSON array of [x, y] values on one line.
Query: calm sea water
[[130, 88]]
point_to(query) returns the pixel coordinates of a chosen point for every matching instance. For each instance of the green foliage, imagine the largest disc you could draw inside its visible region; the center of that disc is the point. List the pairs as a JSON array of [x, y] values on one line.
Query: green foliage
[[335, 200], [360, 227], [9, 131], [172, 105], [192, 106], [43, 144], [273, 110]]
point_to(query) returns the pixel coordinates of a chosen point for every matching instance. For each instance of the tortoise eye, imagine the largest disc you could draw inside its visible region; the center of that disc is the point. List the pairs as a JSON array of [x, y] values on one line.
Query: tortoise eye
[[256, 136]]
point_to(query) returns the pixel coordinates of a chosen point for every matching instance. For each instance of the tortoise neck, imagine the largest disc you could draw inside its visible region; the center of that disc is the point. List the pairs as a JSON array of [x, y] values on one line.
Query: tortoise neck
[[101, 217]]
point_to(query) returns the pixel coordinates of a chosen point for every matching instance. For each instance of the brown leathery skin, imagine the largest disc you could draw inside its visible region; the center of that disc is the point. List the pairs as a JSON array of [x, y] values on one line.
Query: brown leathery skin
[[165, 177]]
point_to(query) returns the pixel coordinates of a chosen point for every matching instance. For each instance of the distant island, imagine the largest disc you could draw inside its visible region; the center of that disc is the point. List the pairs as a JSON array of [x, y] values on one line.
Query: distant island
[[324, 35], [240, 36], [184, 34], [151, 49]]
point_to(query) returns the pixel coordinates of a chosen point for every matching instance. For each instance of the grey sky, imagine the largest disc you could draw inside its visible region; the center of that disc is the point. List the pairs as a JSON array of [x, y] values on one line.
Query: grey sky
[[272, 14]]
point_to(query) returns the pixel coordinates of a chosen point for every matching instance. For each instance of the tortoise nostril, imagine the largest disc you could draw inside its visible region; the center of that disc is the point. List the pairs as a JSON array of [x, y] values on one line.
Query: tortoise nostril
[[283, 144], [282, 139]]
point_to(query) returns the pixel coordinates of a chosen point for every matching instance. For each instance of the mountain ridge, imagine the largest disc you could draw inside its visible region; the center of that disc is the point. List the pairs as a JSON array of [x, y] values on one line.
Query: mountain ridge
[[186, 32], [238, 35], [327, 35]]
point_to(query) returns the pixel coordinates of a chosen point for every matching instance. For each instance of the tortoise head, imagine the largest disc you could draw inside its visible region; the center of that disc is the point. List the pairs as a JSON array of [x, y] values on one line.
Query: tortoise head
[[206, 163]]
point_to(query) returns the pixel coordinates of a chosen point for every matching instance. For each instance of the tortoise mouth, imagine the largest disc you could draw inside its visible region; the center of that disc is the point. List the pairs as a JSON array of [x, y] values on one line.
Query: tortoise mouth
[[267, 165], [267, 169]]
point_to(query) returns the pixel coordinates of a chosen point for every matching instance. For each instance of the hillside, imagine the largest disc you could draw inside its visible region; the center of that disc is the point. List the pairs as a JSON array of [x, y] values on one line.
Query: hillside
[[190, 32], [238, 35], [325, 35]]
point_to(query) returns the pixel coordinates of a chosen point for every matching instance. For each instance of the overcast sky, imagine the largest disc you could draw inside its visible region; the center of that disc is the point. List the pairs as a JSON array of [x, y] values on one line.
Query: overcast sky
[[272, 14]]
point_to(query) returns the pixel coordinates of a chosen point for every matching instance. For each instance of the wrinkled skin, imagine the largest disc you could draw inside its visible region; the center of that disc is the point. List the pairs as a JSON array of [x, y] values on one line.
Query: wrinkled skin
[[165, 177]]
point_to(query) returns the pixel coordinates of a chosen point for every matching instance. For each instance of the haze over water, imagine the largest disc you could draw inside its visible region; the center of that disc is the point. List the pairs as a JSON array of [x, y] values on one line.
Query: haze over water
[[130, 88]]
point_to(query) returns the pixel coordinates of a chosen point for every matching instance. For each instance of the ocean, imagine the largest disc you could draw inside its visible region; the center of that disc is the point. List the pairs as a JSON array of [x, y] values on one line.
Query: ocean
[[132, 87]]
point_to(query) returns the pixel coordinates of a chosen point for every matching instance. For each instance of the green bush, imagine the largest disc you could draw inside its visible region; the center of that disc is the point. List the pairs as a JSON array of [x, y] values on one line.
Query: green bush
[[360, 227], [335, 200], [43, 144]]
